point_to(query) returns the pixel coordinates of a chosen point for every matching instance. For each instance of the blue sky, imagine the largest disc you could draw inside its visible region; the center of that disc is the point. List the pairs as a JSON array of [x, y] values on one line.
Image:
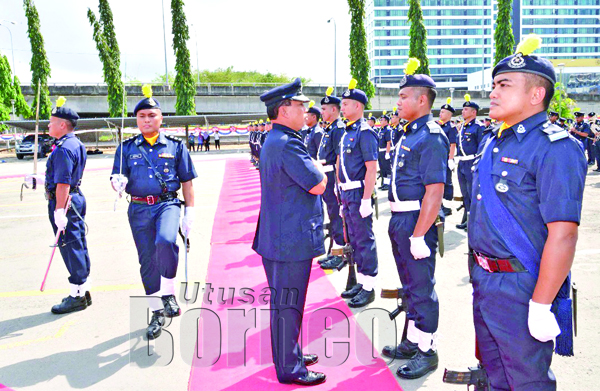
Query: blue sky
[[282, 36]]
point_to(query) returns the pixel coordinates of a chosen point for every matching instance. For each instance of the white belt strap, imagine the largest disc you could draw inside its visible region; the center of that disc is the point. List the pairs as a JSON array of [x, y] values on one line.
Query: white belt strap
[[395, 167], [465, 158], [344, 172], [351, 185], [382, 149], [328, 168], [405, 206]]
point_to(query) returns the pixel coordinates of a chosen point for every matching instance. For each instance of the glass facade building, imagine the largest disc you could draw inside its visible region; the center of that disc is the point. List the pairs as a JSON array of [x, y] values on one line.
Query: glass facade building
[[460, 34]]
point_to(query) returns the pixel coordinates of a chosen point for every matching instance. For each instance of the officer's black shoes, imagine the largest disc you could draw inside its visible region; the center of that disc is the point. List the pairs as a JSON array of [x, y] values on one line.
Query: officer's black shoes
[[171, 307], [362, 299], [420, 365], [597, 169], [336, 262], [88, 298], [324, 259], [310, 379], [446, 211], [350, 293], [462, 226], [310, 359], [155, 327], [70, 304], [405, 351], [384, 188]]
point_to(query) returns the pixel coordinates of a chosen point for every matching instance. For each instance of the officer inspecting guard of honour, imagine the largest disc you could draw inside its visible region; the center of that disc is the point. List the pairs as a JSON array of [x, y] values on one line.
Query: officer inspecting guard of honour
[[522, 183]]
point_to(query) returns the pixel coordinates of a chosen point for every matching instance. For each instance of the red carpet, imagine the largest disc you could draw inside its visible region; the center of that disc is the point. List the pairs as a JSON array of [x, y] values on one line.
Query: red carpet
[[239, 356]]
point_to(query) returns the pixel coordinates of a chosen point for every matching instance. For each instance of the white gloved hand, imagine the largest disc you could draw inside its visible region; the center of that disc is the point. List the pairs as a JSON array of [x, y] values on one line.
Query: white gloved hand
[[387, 156], [119, 182], [187, 221], [418, 247], [60, 219], [365, 209], [451, 164], [541, 321], [319, 166], [40, 179]]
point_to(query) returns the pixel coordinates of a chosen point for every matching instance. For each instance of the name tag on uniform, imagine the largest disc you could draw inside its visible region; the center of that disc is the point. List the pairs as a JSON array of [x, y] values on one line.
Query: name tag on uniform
[[136, 156], [166, 156], [509, 160], [405, 148]]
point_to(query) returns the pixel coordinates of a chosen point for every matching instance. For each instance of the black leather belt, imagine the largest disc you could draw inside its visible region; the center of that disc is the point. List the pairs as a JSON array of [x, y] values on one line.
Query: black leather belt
[[496, 265], [154, 199], [51, 194]]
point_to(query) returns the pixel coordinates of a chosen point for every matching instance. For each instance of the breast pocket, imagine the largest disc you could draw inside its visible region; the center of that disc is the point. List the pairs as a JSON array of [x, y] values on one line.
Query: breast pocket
[[312, 231], [509, 177], [166, 168]]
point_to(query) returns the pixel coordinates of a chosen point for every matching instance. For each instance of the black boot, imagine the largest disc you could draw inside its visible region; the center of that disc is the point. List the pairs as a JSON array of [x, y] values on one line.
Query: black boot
[[463, 224], [171, 307], [310, 359], [70, 304], [447, 211], [406, 350], [155, 327], [324, 259], [362, 299], [333, 263], [88, 298], [350, 293], [420, 365], [310, 379]]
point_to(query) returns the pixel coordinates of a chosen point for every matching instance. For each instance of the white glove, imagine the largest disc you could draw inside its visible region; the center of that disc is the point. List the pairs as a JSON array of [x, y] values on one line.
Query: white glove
[[418, 247], [119, 182], [60, 219], [319, 166], [365, 209], [387, 156], [40, 179], [541, 321], [451, 164], [187, 221]]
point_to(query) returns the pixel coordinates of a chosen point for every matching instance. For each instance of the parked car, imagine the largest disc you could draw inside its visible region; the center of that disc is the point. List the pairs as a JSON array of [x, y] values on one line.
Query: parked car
[[25, 147]]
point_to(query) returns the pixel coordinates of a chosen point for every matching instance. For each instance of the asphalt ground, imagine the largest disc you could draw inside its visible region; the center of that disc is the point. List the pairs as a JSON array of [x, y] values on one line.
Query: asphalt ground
[[101, 348]]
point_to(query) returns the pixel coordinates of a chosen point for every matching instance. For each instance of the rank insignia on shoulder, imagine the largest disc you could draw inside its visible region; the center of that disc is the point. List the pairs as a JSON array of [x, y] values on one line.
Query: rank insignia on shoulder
[[136, 156], [509, 160], [166, 156], [405, 148]]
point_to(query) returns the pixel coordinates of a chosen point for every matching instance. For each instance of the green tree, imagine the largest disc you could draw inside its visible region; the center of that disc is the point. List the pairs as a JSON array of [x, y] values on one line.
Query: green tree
[[561, 103], [185, 87], [359, 59], [40, 67], [418, 36], [504, 39], [10, 89], [108, 51]]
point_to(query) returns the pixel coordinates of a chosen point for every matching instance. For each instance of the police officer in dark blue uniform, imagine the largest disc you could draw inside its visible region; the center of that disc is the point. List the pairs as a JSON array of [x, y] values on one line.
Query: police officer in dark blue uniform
[[315, 132], [419, 172], [396, 130], [327, 156], [383, 158], [595, 126], [152, 167], [526, 208], [469, 138], [553, 117], [289, 233], [445, 122], [583, 133], [372, 121], [64, 170], [357, 171]]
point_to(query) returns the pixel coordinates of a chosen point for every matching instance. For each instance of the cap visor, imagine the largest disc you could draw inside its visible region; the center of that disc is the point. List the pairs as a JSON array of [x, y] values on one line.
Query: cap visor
[[300, 98]]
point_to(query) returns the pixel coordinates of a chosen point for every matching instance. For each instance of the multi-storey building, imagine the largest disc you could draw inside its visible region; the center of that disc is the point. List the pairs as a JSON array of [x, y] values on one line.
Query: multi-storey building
[[460, 34]]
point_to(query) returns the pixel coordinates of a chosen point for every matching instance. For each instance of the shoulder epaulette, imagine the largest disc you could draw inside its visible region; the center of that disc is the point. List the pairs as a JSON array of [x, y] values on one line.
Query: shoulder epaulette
[[434, 127], [554, 132], [130, 138], [365, 126], [173, 138], [60, 142]]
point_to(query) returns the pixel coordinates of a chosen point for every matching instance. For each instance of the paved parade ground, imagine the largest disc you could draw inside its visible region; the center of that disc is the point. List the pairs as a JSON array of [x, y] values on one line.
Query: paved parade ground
[[102, 348]]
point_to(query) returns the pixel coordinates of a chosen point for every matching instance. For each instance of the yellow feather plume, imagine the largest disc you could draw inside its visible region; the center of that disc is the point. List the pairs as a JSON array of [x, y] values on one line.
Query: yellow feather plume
[[529, 44], [395, 109], [352, 84], [329, 91], [260, 122], [449, 101], [147, 90], [311, 104], [60, 101], [411, 66], [467, 97], [384, 112]]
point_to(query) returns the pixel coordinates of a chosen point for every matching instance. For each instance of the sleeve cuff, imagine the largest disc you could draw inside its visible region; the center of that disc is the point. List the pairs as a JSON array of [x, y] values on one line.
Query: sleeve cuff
[[434, 177], [561, 210]]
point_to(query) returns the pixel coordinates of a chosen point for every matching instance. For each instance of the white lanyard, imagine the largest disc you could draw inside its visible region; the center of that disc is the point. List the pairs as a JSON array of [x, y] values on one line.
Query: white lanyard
[[396, 153], [347, 179]]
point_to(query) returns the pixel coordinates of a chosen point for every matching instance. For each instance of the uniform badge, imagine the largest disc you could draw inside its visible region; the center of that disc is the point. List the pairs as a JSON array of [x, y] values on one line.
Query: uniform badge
[[54, 110], [517, 61], [403, 81], [348, 150], [501, 186], [151, 102], [326, 100], [166, 156], [347, 93], [401, 163], [521, 129], [351, 139], [166, 170], [136, 156]]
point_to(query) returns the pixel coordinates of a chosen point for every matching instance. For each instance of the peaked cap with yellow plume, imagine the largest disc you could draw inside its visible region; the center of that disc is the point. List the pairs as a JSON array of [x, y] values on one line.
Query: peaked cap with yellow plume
[[470, 103], [330, 99], [148, 102], [448, 106], [412, 80], [524, 61], [61, 111], [354, 93]]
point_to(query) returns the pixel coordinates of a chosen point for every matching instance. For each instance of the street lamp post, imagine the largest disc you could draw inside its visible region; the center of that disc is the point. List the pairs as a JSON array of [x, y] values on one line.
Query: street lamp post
[[165, 42], [561, 66], [196, 39], [13, 117], [14, 70], [334, 55]]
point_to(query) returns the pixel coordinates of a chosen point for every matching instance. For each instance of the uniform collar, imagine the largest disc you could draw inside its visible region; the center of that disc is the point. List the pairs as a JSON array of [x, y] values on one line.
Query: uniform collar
[[162, 139], [524, 127], [415, 125], [286, 130]]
